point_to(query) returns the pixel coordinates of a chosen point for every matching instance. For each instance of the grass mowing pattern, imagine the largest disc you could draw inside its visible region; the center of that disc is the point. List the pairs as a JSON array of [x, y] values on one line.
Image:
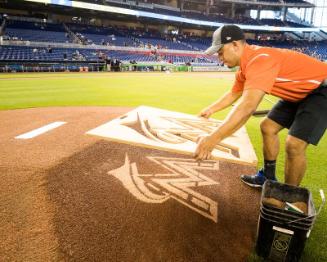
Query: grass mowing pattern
[[184, 92]]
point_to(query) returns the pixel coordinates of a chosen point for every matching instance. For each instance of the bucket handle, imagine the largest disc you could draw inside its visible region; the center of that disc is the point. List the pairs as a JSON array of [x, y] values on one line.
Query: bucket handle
[[323, 201]]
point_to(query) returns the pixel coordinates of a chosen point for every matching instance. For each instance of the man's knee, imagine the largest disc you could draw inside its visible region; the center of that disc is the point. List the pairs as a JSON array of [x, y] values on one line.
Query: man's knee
[[269, 127], [295, 146]]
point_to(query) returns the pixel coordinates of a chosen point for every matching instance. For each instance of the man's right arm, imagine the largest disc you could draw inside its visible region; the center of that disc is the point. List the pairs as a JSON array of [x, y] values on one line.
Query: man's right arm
[[225, 101]]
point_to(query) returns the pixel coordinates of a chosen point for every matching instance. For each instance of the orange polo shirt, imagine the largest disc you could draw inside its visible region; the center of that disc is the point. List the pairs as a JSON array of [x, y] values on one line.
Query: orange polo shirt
[[283, 73]]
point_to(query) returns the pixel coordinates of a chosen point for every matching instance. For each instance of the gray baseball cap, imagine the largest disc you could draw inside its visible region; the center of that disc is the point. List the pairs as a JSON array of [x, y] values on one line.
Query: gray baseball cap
[[223, 35]]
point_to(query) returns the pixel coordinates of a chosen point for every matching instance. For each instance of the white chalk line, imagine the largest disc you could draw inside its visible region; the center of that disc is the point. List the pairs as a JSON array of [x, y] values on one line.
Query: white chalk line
[[40, 131]]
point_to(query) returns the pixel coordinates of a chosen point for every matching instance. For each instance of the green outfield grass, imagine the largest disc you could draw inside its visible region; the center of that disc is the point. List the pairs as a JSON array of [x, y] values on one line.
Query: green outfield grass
[[184, 92]]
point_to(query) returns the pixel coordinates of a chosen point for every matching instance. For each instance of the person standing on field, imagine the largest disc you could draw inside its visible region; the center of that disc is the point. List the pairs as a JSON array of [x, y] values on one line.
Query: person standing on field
[[299, 80]]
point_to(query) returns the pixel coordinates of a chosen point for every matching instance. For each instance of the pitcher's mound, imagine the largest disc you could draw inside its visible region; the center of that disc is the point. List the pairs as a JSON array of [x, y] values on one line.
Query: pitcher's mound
[[124, 203]]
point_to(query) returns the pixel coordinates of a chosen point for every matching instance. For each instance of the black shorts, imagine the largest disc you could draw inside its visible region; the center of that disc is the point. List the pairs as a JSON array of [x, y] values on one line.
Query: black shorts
[[307, 119]]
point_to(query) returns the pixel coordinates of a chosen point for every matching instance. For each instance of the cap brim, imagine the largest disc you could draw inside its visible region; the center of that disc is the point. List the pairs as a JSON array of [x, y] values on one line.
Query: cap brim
[[212, 49]]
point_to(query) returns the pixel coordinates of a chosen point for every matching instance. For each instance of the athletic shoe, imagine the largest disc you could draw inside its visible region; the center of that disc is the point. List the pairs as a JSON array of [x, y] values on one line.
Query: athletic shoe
[[257, 180]]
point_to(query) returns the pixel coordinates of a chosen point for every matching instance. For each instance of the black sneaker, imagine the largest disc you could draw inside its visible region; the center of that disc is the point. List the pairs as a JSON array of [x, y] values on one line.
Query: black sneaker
[[257, 180]]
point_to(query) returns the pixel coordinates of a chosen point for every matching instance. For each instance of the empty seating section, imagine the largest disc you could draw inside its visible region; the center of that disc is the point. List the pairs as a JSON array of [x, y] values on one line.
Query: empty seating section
[[19, 53], [315, 49], [199, 43], [36, 35], [47, 32], [150, 41], [108, 40], [38, 32], [126, 37], [126, 56], [35, 25], [89, 29]]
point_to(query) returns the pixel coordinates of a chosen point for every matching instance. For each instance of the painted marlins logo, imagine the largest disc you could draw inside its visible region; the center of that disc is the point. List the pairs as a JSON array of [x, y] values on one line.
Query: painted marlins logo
[[184, 175]]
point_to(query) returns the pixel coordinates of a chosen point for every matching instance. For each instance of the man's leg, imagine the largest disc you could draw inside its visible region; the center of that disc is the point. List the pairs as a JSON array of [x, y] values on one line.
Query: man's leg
[[295, 162], [308, 127], [269, 131]]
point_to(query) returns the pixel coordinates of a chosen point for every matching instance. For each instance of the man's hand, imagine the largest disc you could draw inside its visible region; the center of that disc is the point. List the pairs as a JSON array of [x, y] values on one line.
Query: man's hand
[[206, 144], [226, 100], [206, 113]]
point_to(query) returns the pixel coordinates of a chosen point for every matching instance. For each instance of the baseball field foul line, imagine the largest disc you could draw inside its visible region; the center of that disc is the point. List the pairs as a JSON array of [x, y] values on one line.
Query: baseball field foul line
[[40, 130]]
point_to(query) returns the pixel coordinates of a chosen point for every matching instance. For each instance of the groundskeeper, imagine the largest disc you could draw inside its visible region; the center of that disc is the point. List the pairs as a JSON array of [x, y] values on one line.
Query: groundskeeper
[[297, 79]]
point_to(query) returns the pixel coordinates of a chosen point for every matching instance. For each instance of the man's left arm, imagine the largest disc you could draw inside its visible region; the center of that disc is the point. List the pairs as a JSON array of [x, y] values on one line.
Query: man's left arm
[[239, 115]]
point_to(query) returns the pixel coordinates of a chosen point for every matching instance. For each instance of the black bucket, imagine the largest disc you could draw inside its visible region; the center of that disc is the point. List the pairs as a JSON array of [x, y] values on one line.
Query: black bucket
[[282, 234]]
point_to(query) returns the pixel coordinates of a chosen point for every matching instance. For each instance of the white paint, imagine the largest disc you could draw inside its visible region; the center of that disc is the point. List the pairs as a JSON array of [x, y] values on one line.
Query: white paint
[[182, 178], [41, 130]]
